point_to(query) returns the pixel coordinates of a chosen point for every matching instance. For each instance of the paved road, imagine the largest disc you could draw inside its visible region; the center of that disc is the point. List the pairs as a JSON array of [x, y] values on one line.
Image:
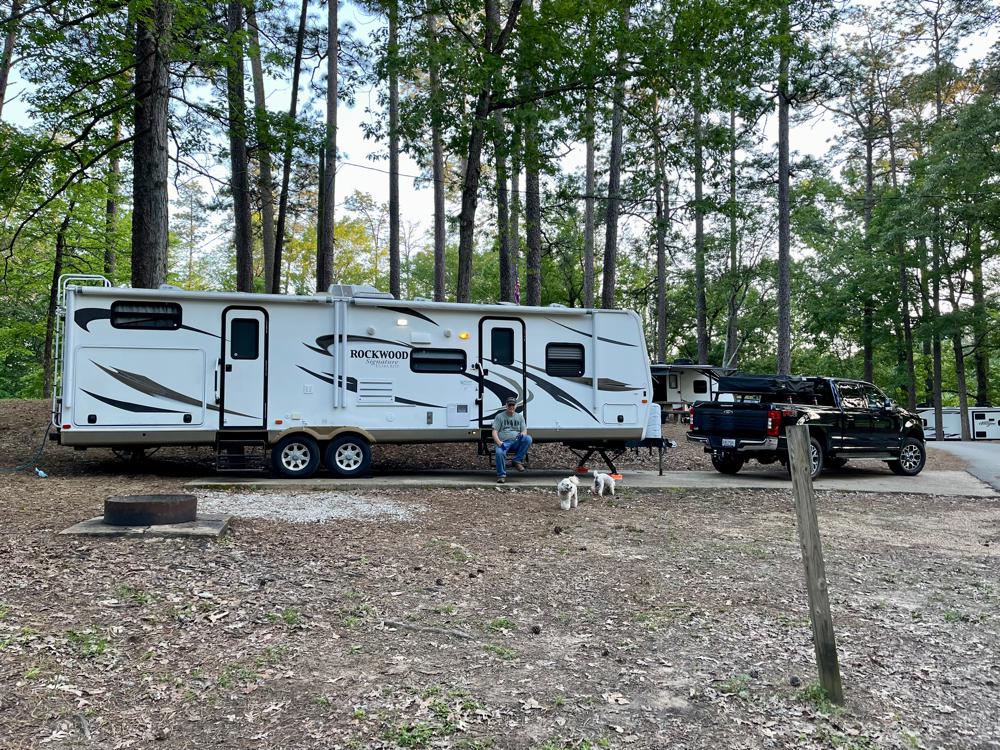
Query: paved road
[[957, 483], [983, 457]]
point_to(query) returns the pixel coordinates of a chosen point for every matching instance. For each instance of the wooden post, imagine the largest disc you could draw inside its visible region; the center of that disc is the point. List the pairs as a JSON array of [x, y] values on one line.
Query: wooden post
[[812, 558]]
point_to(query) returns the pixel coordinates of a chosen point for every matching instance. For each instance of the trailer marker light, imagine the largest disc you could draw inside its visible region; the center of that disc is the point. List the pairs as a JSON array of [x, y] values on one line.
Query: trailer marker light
[[279, 421], [464, 335], [645, 401], [66, 426], [402, 322]]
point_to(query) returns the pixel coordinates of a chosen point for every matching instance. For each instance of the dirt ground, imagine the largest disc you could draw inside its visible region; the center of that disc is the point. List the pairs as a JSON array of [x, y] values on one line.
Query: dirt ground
[[490, 619]]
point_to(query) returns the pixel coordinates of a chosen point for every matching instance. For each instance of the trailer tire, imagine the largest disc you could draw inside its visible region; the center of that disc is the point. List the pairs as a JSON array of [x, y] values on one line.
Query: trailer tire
[[912, 457], [295, 456], [349, 456], [728, 463]]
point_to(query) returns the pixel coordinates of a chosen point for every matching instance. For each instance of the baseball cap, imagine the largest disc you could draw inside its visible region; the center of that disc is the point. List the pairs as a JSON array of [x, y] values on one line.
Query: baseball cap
[[511, 400]]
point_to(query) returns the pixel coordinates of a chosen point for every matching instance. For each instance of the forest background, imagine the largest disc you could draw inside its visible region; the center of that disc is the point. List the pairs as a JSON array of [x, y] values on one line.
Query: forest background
[[612, 153]]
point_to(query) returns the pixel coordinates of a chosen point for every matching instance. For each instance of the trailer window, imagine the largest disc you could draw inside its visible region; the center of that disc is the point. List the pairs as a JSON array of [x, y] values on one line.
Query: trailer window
[[244, 338], [502, 346], [701, 386], [147, 316], [672, 381], [565, 360], [437, 360]]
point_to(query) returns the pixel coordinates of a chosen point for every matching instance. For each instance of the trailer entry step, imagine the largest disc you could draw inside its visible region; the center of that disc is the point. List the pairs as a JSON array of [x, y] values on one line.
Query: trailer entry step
[[241, 455]]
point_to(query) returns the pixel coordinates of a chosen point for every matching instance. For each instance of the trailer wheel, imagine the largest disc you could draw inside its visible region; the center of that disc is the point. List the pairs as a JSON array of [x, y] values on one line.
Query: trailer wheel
[[912, 458], [295, 457], [349, 456], [727, 463]]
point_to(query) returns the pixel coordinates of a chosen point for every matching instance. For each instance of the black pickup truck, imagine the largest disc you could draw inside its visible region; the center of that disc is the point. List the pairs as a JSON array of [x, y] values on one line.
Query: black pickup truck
[[846, 418]]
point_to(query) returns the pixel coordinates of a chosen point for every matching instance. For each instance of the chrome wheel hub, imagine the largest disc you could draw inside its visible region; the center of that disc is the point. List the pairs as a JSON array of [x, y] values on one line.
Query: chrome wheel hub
[[909, 457], [295, 456], [348, 457]]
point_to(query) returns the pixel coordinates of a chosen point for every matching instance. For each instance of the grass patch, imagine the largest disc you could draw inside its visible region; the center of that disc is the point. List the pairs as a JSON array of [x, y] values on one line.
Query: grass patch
[[501, 623], [815, 695], [289, 616], [129, 593], [88, 644], [411, 735], [953, 616], [502, 652], [738, 685]]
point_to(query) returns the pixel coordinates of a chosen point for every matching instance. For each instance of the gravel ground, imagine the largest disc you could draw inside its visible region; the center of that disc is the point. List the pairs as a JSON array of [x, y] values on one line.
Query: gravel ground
[[305, 507]]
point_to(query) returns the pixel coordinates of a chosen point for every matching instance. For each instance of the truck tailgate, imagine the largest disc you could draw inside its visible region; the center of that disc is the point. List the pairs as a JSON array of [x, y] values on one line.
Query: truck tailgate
[[731, 421]]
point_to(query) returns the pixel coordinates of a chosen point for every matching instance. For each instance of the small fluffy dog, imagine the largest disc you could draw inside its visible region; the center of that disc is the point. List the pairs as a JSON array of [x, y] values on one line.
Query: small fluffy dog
[[603, 483], [567, 492]]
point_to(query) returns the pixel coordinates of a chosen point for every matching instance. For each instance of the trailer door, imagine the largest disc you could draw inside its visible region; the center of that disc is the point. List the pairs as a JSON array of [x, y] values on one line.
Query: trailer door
[[502, 367], [243, 376]]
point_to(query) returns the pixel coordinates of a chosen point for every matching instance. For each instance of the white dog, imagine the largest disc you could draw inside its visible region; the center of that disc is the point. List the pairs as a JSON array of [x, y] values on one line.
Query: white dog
[[602, 484], [567, 492]]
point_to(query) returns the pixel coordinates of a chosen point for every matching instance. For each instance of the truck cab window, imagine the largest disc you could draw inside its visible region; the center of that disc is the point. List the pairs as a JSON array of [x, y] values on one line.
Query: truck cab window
[[851, 396], [876, 399]]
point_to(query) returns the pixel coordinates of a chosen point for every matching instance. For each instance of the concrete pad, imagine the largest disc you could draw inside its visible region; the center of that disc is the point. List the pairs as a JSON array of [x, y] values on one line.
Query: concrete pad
[[207, 526], [948, 483]]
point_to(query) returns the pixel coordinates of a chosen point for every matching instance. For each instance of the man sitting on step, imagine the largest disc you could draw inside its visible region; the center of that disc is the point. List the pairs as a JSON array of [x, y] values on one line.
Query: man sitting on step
[[510, 432]]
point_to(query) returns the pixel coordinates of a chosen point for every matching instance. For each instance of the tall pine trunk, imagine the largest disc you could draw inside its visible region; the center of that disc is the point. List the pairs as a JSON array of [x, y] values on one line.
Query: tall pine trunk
[[394, 276], [614, 175], [532, 214], [7, 54], [701, 311], [732, 319], [50, 317], [239, 180], [265, 179], [979, 321], [113, 185], [286, 160], [150, 201], [867, 312], [437, 168], [662, 222], [503, 209], [588, 204], [516, 160], [324, 256], [784, 218]]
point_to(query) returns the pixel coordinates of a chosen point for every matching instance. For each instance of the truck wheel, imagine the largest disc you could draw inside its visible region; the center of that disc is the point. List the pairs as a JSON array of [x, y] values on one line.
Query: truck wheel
[[727, 463], [815, 457], [912, 458], [295, 457], [349, 456]]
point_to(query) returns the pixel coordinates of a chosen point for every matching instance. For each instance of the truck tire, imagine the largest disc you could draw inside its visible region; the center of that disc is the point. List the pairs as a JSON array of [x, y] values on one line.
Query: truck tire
[[816, 454], [349, 456], [912, 458], [295, 457], [727, 463]]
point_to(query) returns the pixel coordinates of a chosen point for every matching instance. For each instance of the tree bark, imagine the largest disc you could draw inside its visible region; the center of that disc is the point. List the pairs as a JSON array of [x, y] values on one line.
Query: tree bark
[[503, 209], [515, 209], [7, 55], [868, 312], [701, 312], [113, 185], [286, 166], [394, 276], [532, 215], [239, 180], [324, 258], [265, 179], [437, 170], [936, 335], [150, 201], [50, 317], [614, 177], [662, 222], [732, 321], [588, 204], [784, 219], [979, 322]]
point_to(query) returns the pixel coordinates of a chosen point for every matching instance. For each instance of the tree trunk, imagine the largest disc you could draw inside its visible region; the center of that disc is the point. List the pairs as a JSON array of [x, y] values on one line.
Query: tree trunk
[[784, 218], [503, 209], [265, 180], [394, 278], [588, 205], [286, 166], [437, 169], [515, 210], [962, 387], [532, 215], [701, 312], [662, 222], [979, 322], [614, 178], [868, 311], [7, 55], [149, 181], [936, 334], [732, 320], [324, 258], [239, 182], [50, 317], [113, 182]]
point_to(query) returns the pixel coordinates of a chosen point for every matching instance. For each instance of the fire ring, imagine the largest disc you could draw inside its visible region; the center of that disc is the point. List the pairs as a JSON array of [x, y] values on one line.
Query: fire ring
[[149, 510]]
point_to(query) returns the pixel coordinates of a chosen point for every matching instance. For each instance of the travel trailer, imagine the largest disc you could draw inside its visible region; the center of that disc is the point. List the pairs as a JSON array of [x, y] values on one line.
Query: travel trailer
[[305, 380], [676, 386], [984, 422]]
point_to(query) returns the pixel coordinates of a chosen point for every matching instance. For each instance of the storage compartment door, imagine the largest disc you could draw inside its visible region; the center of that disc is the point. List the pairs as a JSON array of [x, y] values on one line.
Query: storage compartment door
[[621, 414], [123, 386], [244, 368]]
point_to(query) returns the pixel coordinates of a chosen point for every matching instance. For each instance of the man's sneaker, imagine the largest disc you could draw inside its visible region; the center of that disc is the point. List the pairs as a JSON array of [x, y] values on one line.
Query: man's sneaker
[[501, 480], [519, 466]]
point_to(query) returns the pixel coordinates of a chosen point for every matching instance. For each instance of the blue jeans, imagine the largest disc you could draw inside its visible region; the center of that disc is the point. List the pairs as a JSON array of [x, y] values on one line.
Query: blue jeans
[[521, 443]]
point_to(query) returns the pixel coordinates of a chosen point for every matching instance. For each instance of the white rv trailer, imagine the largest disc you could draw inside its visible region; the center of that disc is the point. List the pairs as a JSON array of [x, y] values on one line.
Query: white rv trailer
[[323, 377], [678, 385], [984, 422]]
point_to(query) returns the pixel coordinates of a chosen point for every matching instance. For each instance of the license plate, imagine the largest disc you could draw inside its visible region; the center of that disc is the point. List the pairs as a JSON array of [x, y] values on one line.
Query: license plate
[[728, 442]]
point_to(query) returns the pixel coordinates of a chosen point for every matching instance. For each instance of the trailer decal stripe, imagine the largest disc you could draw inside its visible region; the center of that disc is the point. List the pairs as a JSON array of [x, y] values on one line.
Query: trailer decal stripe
[[129, 406], [84, 317], [324, 341], [329, 377], [557, 393], [401, 400], [603, 384], [408, 311], [590, 335]]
